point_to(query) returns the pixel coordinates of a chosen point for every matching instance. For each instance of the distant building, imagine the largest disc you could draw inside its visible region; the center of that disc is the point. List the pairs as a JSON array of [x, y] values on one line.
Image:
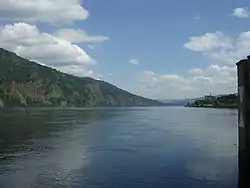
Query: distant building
[[209, 97]]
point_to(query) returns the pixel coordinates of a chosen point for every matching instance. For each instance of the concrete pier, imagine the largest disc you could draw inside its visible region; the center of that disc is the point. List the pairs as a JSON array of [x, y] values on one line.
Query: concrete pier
[[243, 71]]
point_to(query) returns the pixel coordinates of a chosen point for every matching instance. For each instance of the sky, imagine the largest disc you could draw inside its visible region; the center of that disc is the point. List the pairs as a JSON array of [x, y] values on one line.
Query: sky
[[161, 49]]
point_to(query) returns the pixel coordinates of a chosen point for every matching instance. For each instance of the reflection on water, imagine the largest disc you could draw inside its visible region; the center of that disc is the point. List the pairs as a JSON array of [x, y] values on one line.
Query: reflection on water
[[118, 147]]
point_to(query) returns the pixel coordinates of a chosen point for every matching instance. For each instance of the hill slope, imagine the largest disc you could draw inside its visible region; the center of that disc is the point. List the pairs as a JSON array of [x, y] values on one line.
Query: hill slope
[[23, 82]]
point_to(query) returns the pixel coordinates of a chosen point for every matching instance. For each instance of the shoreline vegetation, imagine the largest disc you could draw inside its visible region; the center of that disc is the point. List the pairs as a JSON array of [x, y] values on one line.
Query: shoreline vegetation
[[223, 101]]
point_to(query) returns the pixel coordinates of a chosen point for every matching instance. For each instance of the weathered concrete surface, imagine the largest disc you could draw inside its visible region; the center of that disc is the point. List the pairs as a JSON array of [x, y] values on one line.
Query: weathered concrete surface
[[243, 72], [1, 103]]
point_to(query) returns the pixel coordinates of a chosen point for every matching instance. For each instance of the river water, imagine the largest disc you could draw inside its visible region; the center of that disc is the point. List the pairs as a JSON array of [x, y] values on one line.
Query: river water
[[168, 147]]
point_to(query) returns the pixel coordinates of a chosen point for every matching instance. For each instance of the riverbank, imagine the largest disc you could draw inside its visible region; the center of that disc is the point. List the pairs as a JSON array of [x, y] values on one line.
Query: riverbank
[[225, 101]]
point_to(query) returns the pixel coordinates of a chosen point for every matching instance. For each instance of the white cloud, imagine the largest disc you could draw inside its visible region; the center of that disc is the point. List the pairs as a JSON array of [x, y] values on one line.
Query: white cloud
[[213, 70], [81, 71], [27, 41], [223, 49], [79, 35], [173, 77], [134, 61], [195, 71], [162, 86], [208, 42], [241, 13], [91, 46], [231, 56], [50, 11], [213, 79]]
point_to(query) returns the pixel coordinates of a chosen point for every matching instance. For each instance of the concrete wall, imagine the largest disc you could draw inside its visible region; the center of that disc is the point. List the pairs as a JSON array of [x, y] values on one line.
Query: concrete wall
[[1, 103]]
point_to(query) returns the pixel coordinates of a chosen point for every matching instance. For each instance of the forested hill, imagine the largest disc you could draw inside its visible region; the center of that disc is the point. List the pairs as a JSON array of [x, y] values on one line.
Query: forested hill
[[26, 83]]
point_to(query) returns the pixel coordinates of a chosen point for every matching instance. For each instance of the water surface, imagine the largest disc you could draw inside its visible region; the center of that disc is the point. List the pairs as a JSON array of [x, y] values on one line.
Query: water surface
[[166, 147]]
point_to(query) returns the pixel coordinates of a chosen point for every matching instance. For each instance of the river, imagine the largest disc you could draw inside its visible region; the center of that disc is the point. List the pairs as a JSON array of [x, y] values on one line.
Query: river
[[158, 147]]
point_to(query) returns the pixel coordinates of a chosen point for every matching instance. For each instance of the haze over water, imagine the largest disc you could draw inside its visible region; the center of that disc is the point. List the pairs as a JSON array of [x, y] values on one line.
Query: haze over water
[[168, 147]]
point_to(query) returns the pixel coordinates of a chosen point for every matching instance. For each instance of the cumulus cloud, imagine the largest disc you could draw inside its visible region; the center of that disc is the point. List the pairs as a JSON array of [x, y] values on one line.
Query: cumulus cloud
[[214, 79], [208, 42], [217, 74], [162, 86], [50, 11], [79, 35], [221, 49], [241, 13], [27, 41], [134, 61], [231, 56]]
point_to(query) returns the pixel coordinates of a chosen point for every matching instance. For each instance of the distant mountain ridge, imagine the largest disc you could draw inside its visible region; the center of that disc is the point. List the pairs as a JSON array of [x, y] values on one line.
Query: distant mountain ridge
[[26, 83], [176, 102]]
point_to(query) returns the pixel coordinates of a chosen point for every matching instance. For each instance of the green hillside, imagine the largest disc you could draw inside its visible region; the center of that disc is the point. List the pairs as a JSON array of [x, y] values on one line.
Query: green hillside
[[26, 83]]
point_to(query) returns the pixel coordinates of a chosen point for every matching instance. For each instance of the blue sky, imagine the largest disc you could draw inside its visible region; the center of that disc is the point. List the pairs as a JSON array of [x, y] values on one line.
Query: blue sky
[[160, 49]]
